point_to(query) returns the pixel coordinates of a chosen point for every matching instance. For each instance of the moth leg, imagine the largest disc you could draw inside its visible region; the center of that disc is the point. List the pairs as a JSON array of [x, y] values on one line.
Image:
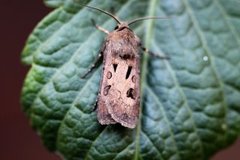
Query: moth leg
[[94, 65], [95, 105], [154, 54], [99, 27]]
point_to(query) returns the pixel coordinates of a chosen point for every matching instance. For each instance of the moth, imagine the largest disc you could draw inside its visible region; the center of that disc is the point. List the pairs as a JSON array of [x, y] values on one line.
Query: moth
[[119, 95]]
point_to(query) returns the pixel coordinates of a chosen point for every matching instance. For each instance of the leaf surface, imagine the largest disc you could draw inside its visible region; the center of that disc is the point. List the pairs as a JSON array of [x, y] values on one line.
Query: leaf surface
[[190, 104]]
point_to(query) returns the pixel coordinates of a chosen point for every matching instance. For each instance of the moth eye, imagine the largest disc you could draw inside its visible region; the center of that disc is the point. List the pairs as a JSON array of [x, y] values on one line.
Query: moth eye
[[131, 93], [109, 75], [128, 71], [116, 28], [115, 67], [106, 90]]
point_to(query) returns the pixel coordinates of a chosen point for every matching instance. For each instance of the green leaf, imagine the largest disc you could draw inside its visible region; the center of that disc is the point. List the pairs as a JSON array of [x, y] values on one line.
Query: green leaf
[[190, 105]]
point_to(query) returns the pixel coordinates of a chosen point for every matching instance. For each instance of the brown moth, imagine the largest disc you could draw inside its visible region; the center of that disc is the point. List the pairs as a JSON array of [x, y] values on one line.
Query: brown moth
[[119, 95]]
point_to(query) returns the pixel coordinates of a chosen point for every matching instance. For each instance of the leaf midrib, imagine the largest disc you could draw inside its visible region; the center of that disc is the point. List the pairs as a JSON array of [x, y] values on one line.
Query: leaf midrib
[[149, 30]]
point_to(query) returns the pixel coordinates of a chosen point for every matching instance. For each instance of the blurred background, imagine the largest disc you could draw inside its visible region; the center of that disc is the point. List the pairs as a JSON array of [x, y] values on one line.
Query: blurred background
[[18, 140]]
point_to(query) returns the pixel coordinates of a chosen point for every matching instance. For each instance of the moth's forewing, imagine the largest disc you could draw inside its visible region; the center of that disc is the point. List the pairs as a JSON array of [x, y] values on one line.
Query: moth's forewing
[[103, 115], [119, 98], [124, 102]]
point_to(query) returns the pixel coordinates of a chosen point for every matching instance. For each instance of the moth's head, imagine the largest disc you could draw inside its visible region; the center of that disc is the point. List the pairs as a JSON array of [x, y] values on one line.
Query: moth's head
[[121, 26]]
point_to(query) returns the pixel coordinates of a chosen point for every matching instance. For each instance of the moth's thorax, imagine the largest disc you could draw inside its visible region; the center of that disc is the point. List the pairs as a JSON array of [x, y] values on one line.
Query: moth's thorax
[[123, 43]]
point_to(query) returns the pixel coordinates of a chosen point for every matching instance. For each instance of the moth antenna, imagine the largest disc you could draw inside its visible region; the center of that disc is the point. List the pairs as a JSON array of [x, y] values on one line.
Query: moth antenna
[[107, 13], [146, 18]]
